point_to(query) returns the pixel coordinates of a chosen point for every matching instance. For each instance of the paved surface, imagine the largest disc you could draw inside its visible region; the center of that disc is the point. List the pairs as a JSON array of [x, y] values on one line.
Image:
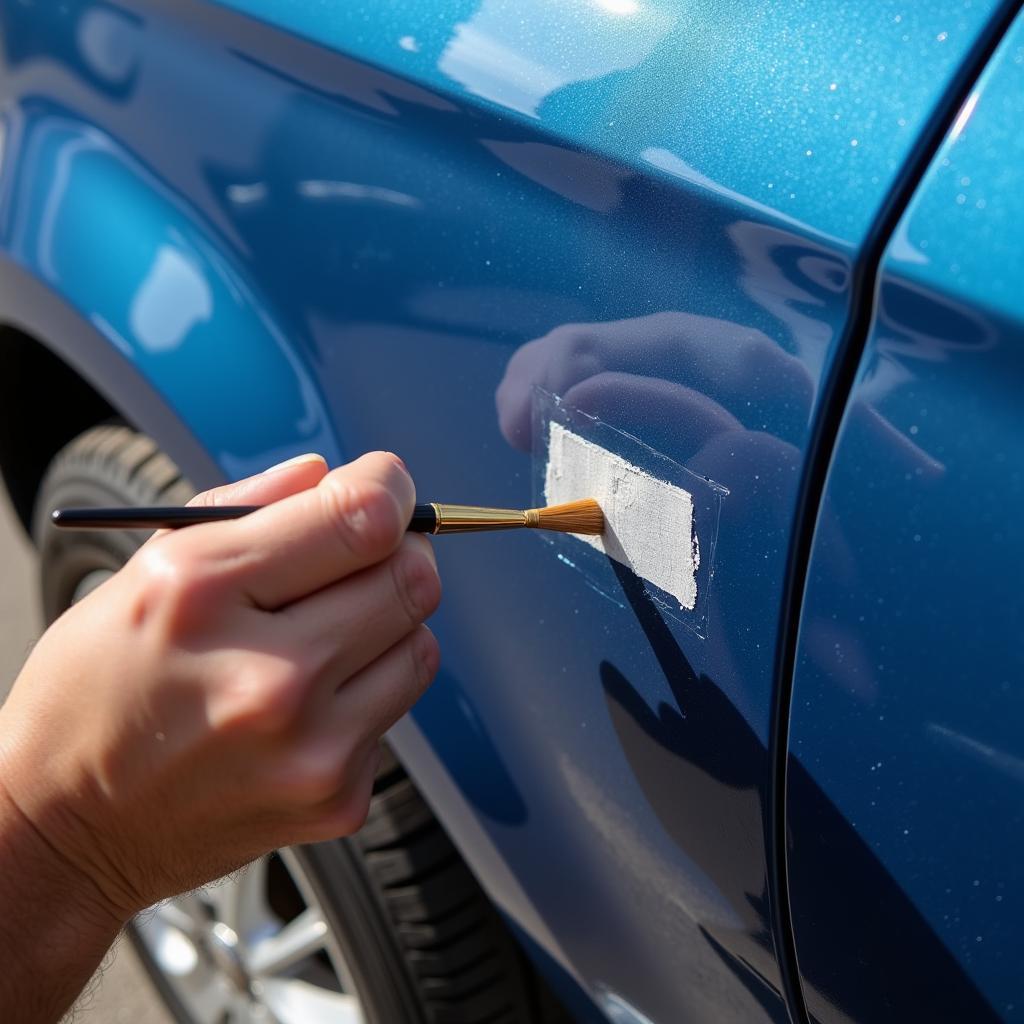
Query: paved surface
[[120, 993]]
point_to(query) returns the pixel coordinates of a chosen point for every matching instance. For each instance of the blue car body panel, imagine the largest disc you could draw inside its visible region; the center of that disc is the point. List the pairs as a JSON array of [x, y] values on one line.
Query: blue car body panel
[[907, 700], [337, 227]]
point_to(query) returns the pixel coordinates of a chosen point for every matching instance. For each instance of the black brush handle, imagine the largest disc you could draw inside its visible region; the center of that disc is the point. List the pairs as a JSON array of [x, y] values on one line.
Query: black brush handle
[[172, 517], [424, 519], [158, 517]]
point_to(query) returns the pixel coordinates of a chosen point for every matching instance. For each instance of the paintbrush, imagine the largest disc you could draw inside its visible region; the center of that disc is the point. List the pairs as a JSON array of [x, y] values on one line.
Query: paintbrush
[[573, 517]]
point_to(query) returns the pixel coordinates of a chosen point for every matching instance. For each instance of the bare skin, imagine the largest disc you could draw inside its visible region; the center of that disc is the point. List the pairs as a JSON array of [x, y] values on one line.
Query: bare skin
[[221, 696]]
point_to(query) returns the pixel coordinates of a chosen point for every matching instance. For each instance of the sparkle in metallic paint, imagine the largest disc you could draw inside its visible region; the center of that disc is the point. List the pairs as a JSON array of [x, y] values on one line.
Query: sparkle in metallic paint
[[806, 109], [410, 218], [907, 704]]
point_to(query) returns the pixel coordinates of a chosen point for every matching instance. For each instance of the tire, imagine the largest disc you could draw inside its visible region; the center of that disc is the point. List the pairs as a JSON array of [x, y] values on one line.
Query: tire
[[406, 892], [107, 465], [408, 927]]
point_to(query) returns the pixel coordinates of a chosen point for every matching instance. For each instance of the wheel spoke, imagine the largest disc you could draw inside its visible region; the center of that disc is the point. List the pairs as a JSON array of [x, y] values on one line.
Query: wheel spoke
[[294, 942], [294, 865], [222, 896], [251, 911], [172, 936], [240, 901], [210, 1001], [297, 1002], [179, 913], [230, 960]]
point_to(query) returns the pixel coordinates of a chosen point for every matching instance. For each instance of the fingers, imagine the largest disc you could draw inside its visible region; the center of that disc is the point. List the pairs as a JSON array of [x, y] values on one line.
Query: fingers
[[385, 690], [326, 782], [344, 812], [272, 484], [355, 516], [345, 627]]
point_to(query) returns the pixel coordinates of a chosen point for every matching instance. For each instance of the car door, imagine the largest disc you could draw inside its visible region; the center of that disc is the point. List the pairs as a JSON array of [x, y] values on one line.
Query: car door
[[442, 228], [905, 766]]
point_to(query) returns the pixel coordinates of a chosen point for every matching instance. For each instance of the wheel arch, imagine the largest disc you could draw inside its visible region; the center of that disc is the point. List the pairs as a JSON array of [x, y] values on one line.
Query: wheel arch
[[45, 405], [118, 297], [60, 377]]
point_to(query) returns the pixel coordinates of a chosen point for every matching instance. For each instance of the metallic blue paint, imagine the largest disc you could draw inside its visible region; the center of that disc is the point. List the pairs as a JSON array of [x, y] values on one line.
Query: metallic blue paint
[[907, 770], [803, 109], [97, 228], [346, 226]]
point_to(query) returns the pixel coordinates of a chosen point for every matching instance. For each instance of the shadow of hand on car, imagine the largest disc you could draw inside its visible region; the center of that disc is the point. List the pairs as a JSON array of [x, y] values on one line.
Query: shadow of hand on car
[[730, 405]]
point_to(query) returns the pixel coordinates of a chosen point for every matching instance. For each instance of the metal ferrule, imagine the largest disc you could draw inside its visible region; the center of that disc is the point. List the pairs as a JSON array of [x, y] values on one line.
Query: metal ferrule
[[468, 518]]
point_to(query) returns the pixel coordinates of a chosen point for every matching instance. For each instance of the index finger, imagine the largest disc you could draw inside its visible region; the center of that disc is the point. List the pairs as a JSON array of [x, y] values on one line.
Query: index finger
[[272, 484], [355, 517]]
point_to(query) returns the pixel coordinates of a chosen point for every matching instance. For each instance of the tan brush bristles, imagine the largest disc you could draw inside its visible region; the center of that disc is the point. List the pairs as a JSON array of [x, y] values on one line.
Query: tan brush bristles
[[573, 517]]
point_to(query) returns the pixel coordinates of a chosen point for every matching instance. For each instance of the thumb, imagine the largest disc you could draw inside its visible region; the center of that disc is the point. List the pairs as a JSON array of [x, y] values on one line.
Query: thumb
[[280, 481]]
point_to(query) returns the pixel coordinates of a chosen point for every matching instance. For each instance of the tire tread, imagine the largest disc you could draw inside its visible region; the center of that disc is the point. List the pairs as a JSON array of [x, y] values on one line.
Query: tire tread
[[464, 962]]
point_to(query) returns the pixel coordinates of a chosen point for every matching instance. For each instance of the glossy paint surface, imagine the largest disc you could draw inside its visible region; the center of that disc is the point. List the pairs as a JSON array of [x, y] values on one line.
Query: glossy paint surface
[[908, 702], [804, 109], [386, 234]]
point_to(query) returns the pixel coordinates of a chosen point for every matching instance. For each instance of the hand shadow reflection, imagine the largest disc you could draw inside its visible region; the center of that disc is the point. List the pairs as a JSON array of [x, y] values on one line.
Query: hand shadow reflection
[[695, 762]]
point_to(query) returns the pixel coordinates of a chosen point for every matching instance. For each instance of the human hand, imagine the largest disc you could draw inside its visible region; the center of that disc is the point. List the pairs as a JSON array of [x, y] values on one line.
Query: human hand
[[224, 694]]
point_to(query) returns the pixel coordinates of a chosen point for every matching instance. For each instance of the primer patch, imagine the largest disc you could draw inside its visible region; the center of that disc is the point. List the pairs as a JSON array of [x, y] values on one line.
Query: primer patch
[[663, 518], [648, 522]]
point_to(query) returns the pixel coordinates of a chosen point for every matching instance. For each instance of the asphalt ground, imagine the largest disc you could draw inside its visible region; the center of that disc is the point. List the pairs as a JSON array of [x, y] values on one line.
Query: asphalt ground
[[120, 992]]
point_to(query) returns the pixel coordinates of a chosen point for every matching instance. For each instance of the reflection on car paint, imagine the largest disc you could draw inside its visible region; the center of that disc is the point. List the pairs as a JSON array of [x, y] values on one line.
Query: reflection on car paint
[[391, 227], [906, 700]]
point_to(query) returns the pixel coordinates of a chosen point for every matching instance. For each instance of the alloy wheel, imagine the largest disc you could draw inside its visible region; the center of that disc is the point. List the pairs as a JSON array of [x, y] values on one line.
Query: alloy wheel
[[253, 948]]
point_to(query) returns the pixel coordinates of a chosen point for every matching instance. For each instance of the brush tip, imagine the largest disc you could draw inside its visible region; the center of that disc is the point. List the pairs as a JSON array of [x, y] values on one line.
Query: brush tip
[[584, 516]]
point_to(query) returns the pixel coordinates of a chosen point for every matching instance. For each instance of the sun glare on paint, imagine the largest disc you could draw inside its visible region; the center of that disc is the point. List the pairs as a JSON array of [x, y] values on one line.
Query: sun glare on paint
[[621, 7]]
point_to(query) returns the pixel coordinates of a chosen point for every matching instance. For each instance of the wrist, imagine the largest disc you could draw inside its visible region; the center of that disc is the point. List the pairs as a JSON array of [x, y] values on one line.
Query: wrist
[[55, 927], [33, 868]]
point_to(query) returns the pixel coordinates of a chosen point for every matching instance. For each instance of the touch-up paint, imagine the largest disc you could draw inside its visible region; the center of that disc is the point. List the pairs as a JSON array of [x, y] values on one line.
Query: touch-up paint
[[648, 522]]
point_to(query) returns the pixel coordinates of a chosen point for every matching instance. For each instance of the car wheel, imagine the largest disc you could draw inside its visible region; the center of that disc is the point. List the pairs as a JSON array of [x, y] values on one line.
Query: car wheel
[[387, 927], [107, 465]]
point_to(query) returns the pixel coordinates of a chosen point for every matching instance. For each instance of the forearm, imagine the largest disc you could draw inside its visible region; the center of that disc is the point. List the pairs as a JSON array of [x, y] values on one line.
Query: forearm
[[54, 925]]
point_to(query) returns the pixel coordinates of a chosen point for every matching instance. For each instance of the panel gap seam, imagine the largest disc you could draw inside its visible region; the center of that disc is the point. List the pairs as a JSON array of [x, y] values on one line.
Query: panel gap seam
[[835, 396]]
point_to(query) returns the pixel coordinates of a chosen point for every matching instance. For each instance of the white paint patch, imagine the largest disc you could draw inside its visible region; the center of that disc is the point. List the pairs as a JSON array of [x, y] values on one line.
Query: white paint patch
[[648, 522]]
